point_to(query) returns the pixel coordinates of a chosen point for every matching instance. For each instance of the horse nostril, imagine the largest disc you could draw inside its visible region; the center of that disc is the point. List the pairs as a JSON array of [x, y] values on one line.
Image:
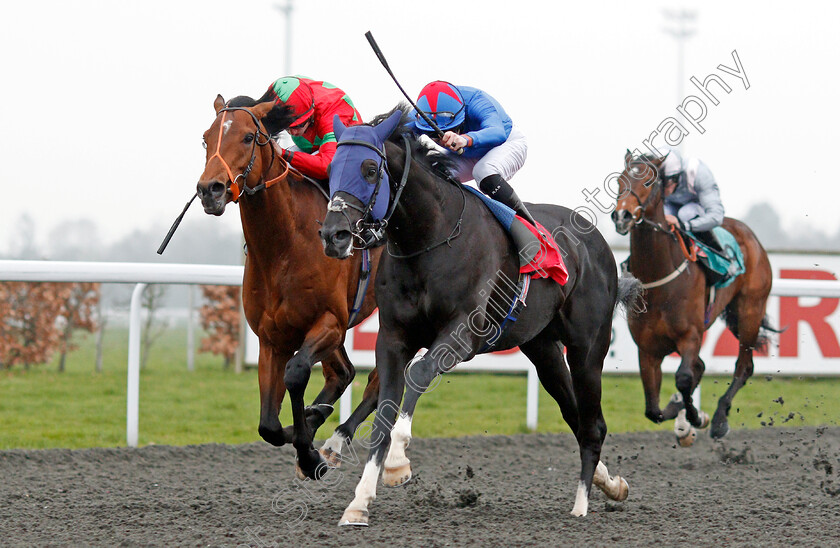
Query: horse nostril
[[217, 189], [614, 216], [341, 237]]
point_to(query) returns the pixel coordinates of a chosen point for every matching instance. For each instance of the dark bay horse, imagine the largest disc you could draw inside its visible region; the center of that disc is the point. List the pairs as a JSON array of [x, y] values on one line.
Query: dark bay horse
[[677, 298], [296, 300], [445, 285]]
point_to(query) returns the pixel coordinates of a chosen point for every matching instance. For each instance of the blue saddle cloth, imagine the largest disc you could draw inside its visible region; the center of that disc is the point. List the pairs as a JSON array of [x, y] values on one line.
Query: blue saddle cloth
[[503, 213], [732, 265]]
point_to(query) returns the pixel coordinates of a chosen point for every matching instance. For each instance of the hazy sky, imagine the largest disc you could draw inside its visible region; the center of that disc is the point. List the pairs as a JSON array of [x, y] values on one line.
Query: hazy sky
[[104, 103]]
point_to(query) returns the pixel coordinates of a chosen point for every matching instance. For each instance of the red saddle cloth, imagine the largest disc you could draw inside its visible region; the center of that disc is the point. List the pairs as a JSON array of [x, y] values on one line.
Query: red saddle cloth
[[549, 262]]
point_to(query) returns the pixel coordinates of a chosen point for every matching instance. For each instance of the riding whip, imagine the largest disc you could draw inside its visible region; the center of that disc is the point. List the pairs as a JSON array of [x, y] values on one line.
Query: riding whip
[[422, 114], [175, 225]]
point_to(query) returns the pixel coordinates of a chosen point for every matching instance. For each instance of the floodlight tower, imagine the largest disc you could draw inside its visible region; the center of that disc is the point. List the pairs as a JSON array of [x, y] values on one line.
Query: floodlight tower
[[286, 9], [680, 26]]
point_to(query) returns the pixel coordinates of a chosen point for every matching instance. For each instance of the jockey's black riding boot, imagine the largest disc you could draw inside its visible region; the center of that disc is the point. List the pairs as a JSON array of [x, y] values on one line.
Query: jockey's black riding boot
[[500, 190]]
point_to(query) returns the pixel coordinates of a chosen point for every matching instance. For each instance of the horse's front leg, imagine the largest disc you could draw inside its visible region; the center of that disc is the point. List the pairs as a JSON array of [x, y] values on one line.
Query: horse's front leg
[[271, 366], [321, 340], [343, 435], [443, 355], [391, 356], [687, 378], [650, 368]]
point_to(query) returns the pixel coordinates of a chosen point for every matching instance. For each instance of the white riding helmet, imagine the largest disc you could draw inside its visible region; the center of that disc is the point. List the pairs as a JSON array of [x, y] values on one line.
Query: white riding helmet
[[673, 163]]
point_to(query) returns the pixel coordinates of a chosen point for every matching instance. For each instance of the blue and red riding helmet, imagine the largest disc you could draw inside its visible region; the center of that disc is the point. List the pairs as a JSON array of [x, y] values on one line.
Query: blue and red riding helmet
[[443, 103]]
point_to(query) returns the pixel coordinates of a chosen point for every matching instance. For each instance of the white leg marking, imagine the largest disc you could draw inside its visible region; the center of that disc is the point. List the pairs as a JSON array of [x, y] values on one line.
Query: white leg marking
[[686, 434], [614, 487], [335, 443], [400, 438], [581, 501], [357, 511], [332, 450]]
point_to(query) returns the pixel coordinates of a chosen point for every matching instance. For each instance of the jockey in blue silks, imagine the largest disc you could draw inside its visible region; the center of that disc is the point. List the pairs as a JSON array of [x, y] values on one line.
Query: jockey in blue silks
[[692, 197], [494, 149]]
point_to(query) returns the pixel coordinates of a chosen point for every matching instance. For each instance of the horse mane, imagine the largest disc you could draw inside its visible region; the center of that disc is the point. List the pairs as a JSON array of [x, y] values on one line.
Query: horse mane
[[277, 119], [437, 163]]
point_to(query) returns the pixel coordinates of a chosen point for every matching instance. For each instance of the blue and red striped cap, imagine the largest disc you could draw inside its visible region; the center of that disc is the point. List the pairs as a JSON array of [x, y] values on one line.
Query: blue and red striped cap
[[443, 103]]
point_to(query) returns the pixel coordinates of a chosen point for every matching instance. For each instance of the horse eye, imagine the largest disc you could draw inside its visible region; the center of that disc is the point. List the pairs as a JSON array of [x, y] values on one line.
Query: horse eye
[[204, 144], [370, 171], [248, 138]]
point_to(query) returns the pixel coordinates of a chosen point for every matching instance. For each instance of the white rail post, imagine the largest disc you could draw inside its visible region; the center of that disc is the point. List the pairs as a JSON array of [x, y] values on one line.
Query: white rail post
[[133, 385], [533, 398], [345, 406], [190, 328]]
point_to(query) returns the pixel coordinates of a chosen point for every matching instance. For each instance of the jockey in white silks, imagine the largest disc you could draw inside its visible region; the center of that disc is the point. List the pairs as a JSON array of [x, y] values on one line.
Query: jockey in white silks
[[692, 197]]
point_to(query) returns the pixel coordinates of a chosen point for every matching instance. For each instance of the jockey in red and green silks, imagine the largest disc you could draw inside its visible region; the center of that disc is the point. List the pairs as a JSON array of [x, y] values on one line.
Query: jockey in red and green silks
[[315, 103]]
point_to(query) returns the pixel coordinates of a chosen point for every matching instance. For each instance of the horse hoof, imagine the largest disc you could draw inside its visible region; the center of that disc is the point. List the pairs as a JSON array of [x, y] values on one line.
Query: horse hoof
[[315, 473], [359, 518], [332, 458], [719, 430], [688, 439], [704, 420], [299, 472], [623, 490], [394, 477], [686, 434]]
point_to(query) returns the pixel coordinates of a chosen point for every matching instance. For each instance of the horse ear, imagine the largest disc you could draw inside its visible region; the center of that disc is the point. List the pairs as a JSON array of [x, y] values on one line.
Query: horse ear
[[219, 103], [387, 127], [262, 109], [338, 127], [627, 157]]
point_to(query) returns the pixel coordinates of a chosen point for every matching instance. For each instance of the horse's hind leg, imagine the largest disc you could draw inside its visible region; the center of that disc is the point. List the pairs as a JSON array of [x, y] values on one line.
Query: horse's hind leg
[[749, 323], [343, 435], [586, 361], [547, 356]]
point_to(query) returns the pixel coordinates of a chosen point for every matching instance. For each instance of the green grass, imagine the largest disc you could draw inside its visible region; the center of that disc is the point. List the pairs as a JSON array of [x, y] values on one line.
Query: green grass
[[42, 408]]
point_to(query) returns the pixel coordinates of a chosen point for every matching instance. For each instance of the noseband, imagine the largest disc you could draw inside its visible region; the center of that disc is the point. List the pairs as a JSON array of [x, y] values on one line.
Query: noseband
[[234, 186]]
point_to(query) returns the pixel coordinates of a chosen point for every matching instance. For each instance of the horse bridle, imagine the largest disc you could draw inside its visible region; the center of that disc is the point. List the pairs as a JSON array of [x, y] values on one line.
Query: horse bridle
[[233, 187], [644, 204], [367, 222]]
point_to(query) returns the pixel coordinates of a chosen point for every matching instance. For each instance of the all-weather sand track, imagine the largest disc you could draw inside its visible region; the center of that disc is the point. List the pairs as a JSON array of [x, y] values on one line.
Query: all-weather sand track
[[769, 487]]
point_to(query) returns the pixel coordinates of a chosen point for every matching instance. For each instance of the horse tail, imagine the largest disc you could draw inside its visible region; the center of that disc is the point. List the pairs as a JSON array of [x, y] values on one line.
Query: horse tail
[[765, 330], [630, 295]]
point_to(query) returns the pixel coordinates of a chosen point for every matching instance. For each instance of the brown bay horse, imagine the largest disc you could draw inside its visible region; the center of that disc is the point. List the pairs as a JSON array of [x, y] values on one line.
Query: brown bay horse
[[297, 300], [678, 299]]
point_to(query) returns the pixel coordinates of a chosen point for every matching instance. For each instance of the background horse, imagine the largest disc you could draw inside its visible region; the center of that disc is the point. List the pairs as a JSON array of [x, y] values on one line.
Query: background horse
[[296, 300], [445, 285], [677, 307]]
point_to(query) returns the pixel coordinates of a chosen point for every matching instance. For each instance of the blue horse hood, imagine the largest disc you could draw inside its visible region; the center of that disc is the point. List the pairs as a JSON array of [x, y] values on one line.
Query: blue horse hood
[[346, 166]]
